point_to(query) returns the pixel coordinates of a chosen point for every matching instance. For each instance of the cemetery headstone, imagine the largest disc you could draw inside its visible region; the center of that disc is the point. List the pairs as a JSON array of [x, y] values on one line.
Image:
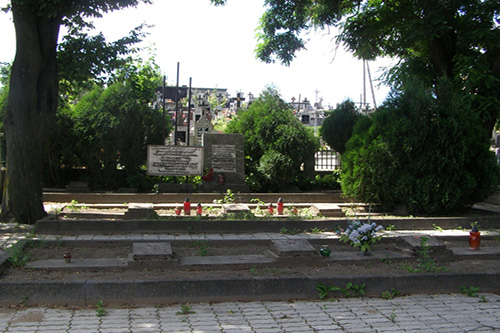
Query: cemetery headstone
[[181, 135], [224, 154], [305, 119], [202, 126]]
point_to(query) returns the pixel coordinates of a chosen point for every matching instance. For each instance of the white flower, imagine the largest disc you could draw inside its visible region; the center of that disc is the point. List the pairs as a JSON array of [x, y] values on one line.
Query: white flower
[[361, 233]]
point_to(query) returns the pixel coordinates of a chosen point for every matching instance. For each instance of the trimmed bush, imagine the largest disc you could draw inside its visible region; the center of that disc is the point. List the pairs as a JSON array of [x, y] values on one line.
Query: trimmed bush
[[426, 153]]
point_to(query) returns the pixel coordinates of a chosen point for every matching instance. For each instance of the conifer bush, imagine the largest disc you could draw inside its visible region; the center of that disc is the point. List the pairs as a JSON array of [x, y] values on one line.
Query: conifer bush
[[428, 154]]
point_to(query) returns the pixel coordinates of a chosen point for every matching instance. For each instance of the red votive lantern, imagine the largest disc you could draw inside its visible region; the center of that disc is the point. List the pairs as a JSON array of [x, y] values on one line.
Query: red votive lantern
[[474, 238], [199, 209], [280, 206], [67, 257], [187, 207]]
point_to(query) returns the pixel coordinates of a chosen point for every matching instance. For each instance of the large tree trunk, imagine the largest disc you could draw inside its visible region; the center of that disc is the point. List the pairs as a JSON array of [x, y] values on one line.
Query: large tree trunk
[[31, 106]]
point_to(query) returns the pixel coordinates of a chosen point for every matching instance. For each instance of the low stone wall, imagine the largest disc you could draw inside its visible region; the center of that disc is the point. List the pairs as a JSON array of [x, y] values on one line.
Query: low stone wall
[[141, 292], [120, 198], [50, 225]]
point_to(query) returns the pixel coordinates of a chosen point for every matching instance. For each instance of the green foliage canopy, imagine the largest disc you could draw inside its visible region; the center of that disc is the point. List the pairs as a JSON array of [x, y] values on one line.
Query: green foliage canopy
[[457, 39], [276, 142], [430, 155], [84, 59], [110, 127], [436, 41], [338, 125]]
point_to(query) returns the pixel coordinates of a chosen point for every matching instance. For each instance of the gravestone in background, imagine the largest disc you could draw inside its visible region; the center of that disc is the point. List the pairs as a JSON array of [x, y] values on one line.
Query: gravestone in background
[[225, 154], [181, 136], [202, 126], [305, 119]]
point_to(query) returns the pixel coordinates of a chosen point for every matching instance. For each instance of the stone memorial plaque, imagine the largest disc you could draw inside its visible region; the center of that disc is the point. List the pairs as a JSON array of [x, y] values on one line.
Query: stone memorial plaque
[[225, 154], [293, 248], [175, 161], [152, 251], [224, 158]]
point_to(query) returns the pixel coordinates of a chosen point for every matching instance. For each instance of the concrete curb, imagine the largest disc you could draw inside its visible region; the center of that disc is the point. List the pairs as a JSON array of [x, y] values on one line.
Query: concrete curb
[[51, 226], [154, 292], [120, 198]]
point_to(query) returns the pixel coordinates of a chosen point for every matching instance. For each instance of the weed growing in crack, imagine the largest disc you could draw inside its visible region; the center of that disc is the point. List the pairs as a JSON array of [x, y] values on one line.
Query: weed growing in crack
[[228, 198], [185, 310], [424, 262], [483, 299], [100, 309], [436, 227], [18, 257], [471, 291], [390, 294], [201, 247], [285, 231], [392, 316], [386, 260], [23, 301], [316, 230], [351, 290]]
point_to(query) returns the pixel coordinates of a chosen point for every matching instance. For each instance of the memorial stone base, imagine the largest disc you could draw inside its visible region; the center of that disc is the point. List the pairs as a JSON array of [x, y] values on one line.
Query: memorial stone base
[[211, 187], [175, 188]]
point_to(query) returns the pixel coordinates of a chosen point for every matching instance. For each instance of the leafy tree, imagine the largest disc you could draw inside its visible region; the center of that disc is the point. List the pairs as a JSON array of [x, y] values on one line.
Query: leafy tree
[[426, 153], [338, 125], [34, 92], [110, 127], [457, 39], [276, 142], [80, 69], [61, 153], [215, 101], [457, 42]]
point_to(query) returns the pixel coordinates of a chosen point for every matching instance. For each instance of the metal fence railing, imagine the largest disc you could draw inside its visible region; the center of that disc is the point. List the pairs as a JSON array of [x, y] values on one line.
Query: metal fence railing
[[326, 160]]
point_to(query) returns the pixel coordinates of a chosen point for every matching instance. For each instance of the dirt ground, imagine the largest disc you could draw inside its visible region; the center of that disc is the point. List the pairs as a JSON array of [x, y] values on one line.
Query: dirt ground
[[366, 267]]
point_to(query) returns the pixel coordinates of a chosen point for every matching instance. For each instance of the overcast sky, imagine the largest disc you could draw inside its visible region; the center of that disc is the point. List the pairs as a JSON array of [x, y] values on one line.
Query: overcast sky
[[215, 46]]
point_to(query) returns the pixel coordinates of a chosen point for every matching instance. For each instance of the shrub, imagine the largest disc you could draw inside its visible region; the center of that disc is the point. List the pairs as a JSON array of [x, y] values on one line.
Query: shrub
[[276, 142], [338, 126], [329, 181], [107, 131], [429, 154]]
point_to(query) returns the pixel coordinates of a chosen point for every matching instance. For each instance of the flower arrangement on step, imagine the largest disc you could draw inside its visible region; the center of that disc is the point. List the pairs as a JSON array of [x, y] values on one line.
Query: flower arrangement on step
[[362, 234]]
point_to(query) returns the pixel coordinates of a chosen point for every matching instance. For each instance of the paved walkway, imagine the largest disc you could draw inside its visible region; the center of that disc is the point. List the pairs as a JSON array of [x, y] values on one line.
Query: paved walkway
[[422, 313]]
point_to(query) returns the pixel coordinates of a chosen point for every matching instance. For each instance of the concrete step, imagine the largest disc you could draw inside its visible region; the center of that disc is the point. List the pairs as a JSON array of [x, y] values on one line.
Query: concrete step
[[219, 261]]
